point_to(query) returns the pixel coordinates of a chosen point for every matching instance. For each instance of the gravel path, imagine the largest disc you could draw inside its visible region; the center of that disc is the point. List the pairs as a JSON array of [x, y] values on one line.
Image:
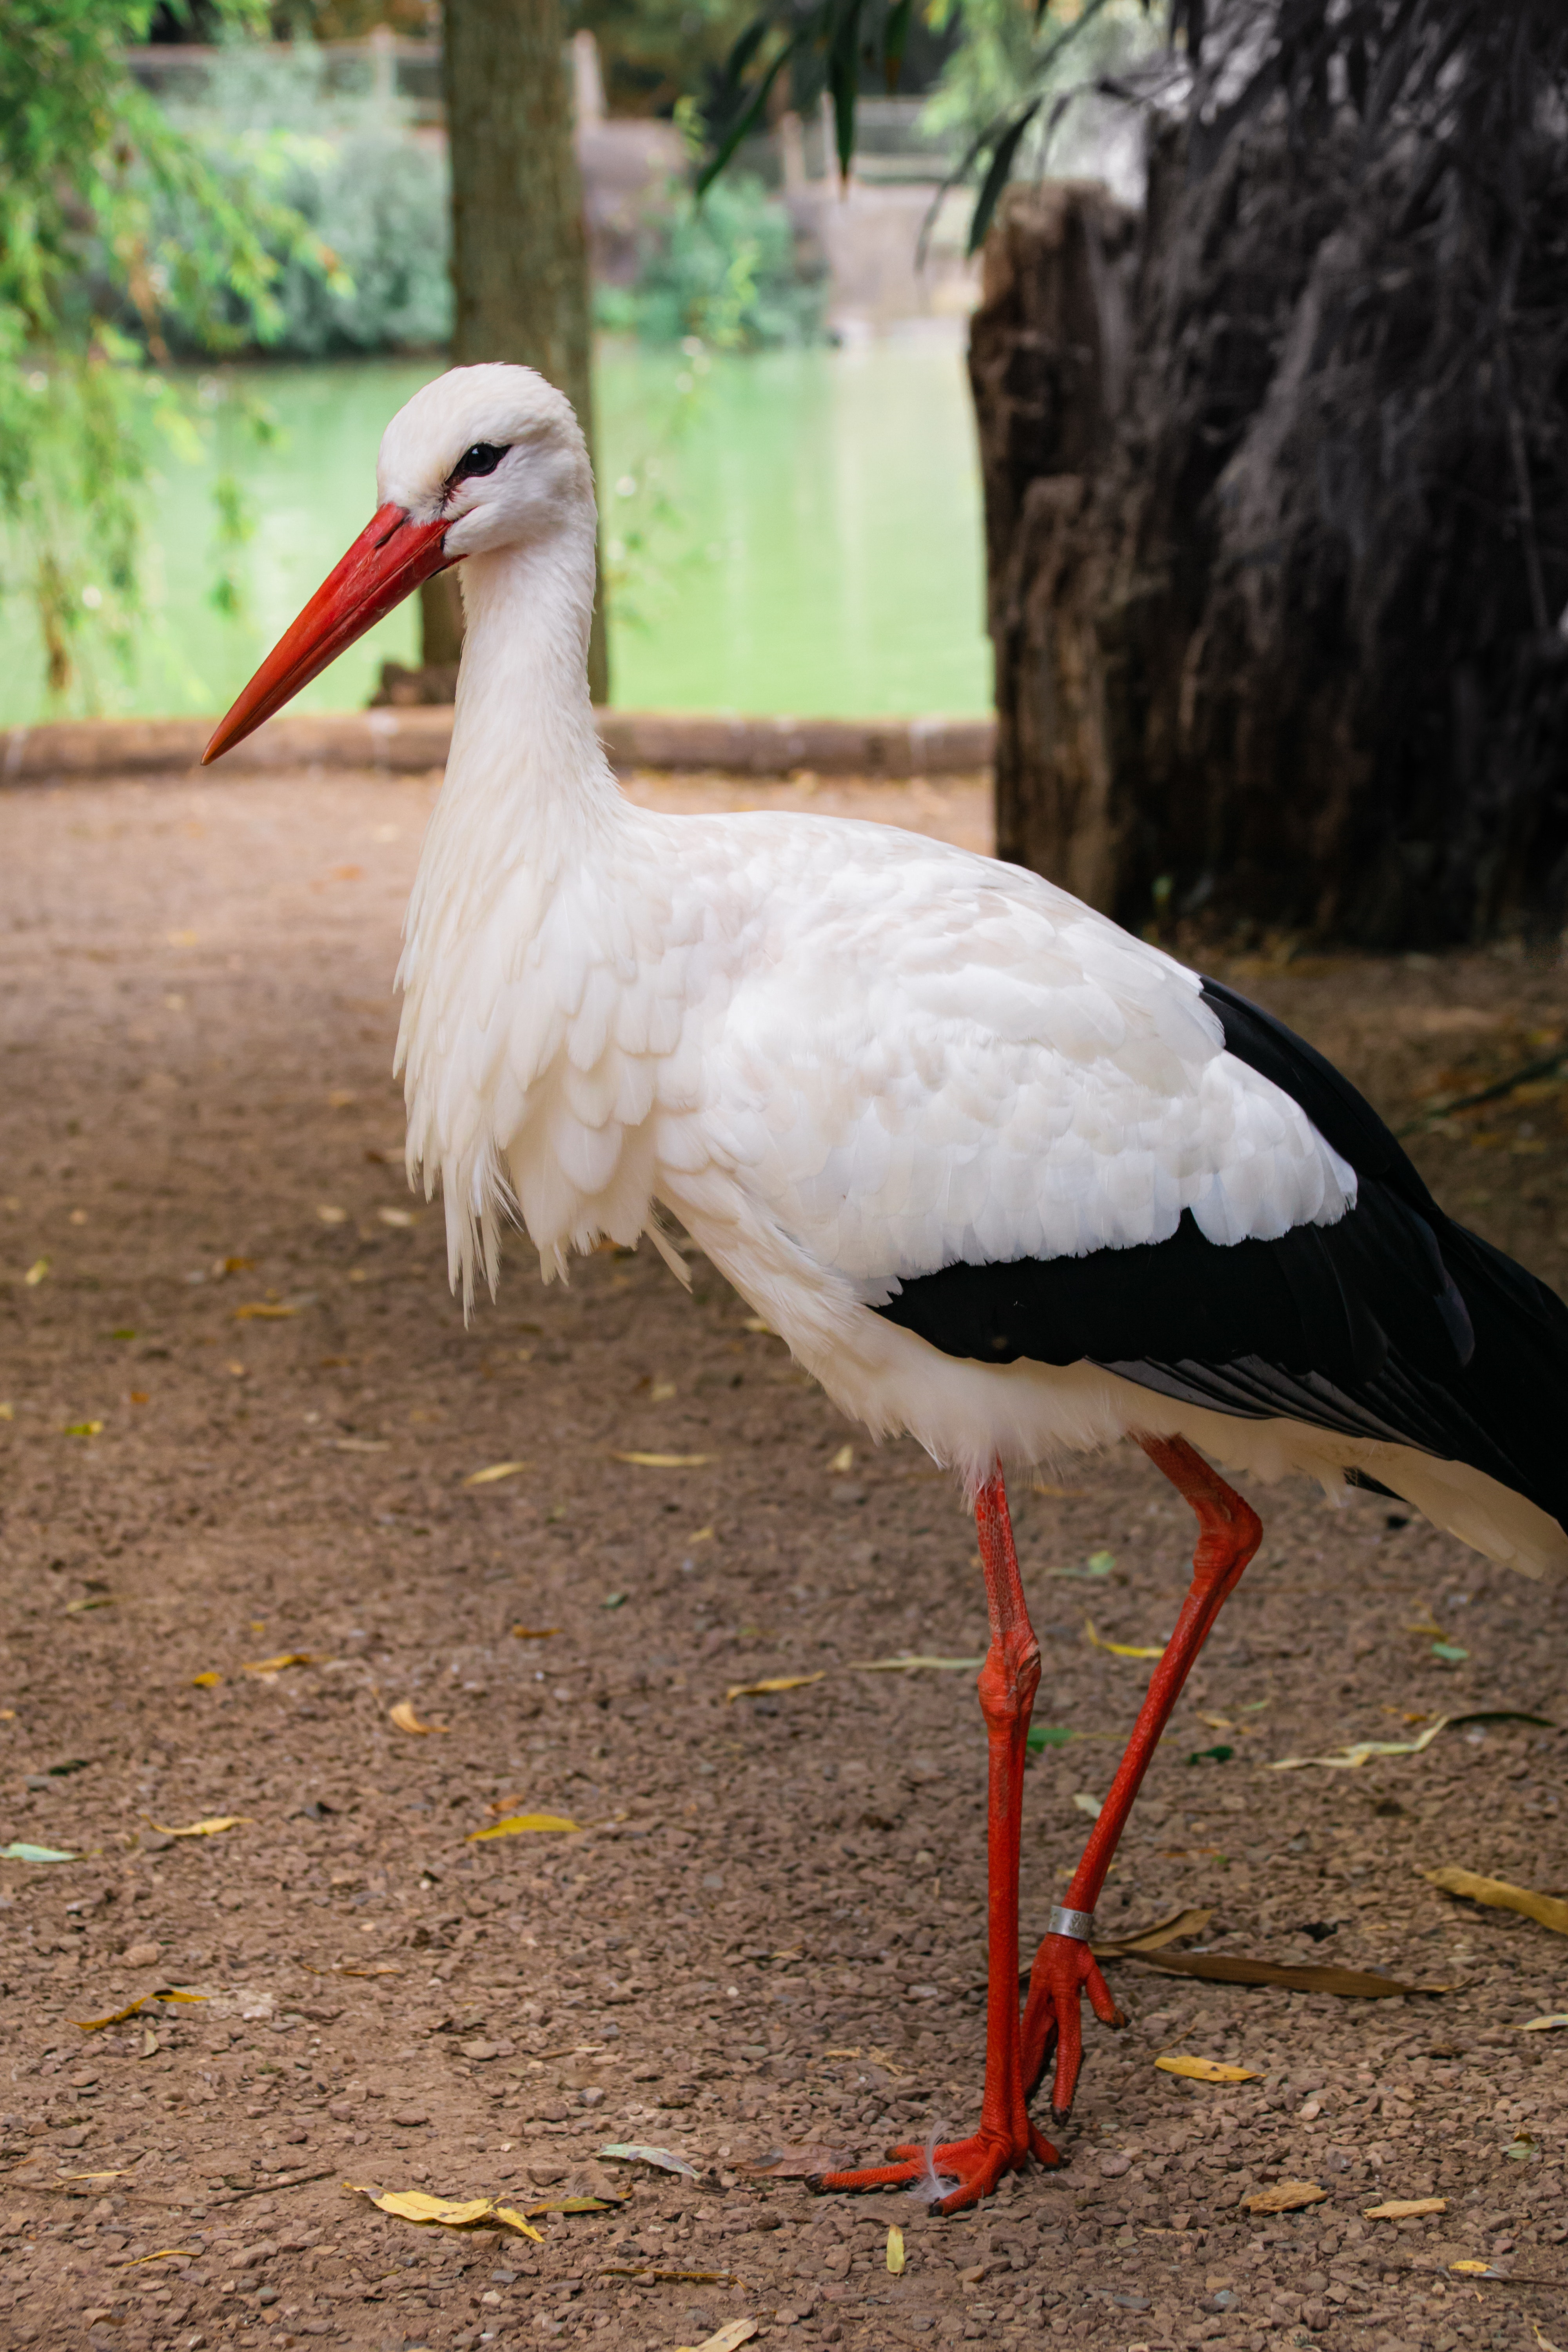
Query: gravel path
[[241, 1424]]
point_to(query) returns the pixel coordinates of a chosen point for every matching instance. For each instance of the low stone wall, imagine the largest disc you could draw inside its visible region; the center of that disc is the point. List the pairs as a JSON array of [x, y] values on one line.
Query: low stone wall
[[419, 739]]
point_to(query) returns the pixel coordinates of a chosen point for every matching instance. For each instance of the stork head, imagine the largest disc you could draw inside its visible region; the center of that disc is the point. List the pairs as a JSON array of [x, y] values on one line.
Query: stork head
[[483, 459]]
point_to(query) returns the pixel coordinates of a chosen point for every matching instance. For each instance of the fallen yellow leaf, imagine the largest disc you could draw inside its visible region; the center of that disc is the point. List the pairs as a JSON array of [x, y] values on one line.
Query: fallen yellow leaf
[[211, 1825], [1205, 2070], [516, 1825], [772, 1683], [206, 1682], [453, 2213], [665, 1461], [533, 1633], [399, 1217], [1498, 1894], [908, 1662], [92, 1601], [1286, 2196], [404, 1717], [1405, 2209], [35, 1273], [1119, 1649], [262, 1310], [843, 1462], [276, 1666], [330, 1215], [729, 2339], [896, 2251], [1473, 2269], [97, 2024], [496, 1470], [1545, 2024], [1351, 1759]]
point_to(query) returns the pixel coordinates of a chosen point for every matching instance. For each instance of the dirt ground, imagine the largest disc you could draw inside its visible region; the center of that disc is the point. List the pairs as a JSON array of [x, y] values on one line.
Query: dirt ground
[[242, 1421]]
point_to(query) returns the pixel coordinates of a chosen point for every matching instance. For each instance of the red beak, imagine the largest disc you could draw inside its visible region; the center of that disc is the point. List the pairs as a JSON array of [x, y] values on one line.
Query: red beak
[[388, 559]]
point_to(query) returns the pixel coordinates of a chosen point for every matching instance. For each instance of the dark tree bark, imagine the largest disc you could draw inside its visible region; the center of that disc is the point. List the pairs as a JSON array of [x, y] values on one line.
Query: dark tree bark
[[519, 259], [1277, 497]]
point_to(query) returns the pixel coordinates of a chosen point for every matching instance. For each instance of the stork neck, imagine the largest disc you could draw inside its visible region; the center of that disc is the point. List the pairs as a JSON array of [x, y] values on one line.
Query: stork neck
[[525, 744]]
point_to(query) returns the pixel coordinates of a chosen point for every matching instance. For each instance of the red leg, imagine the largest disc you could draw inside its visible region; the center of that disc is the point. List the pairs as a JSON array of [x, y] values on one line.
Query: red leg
[[1006, 2139], [1228, 1535]]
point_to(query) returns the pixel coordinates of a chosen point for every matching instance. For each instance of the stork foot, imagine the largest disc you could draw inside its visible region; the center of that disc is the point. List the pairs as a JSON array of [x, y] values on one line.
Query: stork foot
[[974, 2166], [1064, 1971]]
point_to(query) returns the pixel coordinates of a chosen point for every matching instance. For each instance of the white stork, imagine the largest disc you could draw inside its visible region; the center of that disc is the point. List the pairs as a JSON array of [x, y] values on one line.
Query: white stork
[[1001, 1175]]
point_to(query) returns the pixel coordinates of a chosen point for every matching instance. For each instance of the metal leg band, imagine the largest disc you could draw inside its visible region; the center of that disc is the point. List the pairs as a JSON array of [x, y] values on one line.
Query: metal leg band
[[1079, 1924]]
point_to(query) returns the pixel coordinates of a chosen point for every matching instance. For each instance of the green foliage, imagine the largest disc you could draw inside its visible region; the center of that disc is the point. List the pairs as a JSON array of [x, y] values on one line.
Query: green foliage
[[1005, 83], [373, 198], [723, 270], [91, 177], [1004, 59]]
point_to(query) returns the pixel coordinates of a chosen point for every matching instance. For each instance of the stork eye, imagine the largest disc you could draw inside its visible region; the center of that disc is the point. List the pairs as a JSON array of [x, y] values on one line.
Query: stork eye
[[483, 457]]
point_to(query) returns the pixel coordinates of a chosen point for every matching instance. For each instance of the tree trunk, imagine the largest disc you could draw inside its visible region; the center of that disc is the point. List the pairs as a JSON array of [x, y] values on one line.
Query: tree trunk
[[519, 260], [1277, 514]]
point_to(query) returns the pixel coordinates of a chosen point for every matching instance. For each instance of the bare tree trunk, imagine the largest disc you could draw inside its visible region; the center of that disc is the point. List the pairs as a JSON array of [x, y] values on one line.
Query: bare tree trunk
[[1276, 502], [519, 258]]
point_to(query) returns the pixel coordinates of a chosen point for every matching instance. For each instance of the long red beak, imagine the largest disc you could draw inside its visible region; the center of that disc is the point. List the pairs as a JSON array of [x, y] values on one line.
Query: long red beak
[[388, 559]]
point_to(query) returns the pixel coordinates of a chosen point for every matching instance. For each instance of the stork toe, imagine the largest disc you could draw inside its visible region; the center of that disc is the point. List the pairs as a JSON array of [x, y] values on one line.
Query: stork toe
[[974, 2166]]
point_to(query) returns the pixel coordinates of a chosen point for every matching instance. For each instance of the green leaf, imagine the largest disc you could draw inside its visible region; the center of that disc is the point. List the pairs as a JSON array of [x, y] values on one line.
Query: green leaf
[[997, 175]]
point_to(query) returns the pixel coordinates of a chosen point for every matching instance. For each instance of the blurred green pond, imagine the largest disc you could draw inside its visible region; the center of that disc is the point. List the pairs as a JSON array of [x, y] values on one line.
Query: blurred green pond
[[788, 532]]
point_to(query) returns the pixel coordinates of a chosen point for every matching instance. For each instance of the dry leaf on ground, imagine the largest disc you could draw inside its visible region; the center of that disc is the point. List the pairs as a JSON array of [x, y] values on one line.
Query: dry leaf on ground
[[164, 1992], [574, 2205], [206, 1682], [276, 1666], [729, 2339], [906, 1663], [1545, 2024], [92, 1601], [1498, 1894], [896, 2251], [496, 1471], [1087, 1802], [1405, 2209], [20, 1851], [1229, 1968], [663, 2159], [262, 1310], [798, 2163], [772, 1683], [1150, 1939], [665, 1461], [842, 1462], [452, 2213], [1203, 2070], [1351, 1759], [404, 1717], [163, 2254], [210, 1825], [1473, 2269], [533, 1633], [1119, 1649], [1286, 2196], [519, 1824]]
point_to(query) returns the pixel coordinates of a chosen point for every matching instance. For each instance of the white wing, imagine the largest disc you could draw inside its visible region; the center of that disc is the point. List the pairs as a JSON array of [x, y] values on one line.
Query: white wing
[[922, 1057]]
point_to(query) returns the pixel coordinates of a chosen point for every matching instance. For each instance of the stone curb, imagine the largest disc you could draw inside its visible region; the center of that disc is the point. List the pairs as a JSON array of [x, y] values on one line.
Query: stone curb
[[419, 739]]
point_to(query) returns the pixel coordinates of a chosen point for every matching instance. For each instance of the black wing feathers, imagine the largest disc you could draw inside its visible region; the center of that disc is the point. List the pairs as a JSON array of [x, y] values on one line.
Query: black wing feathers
[[1393, 1323]]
